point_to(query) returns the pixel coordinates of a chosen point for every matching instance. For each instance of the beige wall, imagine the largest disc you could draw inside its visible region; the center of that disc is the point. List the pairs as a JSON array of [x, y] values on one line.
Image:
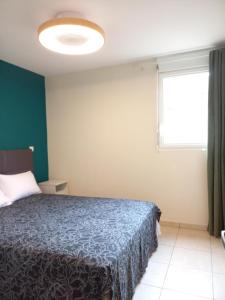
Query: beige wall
[[102, 138]]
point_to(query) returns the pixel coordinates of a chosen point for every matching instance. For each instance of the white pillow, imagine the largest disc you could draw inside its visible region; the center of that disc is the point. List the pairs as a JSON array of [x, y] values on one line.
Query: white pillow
[[4, 201], [19, 185]]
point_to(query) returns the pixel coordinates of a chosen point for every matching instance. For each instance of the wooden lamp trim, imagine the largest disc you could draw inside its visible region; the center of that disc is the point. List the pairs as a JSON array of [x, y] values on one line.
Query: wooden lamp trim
[[70, 21]]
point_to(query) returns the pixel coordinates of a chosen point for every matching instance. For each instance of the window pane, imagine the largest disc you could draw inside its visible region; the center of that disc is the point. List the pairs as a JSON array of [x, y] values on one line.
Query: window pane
[[184, 109]]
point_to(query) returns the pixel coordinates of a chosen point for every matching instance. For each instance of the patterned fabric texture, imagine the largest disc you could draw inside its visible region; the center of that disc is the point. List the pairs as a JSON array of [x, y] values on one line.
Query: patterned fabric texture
[[66, 247]]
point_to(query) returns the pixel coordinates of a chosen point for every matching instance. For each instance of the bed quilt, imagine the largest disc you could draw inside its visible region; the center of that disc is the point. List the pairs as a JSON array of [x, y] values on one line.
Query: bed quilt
[[67, 247]]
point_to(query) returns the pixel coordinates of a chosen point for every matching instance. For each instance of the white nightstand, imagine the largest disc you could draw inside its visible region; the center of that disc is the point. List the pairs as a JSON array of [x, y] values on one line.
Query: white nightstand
[[54, 186]]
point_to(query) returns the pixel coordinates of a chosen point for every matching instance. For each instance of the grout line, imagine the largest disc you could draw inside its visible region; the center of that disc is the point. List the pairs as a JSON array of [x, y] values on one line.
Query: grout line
[[190, 249], [188, 294], [169, 262], [152, 285], [211, 265]]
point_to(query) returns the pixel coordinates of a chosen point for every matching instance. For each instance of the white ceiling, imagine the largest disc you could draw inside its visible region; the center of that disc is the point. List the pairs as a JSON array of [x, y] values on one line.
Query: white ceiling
[[135, 29]]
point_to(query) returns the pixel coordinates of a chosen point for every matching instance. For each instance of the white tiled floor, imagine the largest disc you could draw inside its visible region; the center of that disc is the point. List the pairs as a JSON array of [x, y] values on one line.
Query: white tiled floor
[[188, 265]]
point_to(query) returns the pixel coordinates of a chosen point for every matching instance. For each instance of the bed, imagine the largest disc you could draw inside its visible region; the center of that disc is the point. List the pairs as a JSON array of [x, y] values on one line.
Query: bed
[[70, 247]]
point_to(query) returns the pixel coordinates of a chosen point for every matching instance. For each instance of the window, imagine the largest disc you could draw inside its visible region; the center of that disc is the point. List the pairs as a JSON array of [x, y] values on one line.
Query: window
[[183, 106]]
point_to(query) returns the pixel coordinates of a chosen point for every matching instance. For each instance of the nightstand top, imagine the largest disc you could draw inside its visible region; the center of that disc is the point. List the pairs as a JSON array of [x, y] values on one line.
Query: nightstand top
[[53, 182]]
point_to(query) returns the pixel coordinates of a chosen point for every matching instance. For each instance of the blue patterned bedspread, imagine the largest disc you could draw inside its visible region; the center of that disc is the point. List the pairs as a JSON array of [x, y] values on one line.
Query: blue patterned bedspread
[[66, 247]]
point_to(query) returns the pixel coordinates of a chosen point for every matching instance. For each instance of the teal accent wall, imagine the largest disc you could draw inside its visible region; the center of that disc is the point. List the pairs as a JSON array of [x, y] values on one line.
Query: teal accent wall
[[23, 114]]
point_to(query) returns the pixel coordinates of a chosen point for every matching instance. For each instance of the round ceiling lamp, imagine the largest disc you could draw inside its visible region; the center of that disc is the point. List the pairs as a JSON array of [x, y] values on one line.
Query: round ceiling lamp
[[71, 36]]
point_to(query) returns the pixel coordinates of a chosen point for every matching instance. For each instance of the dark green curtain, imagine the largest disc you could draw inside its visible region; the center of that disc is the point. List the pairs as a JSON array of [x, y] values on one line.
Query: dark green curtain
[[216, 142]]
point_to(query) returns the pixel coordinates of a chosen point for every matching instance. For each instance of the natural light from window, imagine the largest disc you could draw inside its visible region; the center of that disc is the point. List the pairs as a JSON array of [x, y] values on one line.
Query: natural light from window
[[183, 109]]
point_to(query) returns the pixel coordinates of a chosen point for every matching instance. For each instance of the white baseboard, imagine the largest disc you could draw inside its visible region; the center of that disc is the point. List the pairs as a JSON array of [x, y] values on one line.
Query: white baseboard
[[183, 225]]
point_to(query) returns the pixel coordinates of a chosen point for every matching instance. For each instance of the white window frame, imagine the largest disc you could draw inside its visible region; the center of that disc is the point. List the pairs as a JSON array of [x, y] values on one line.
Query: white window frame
[[161, 76]]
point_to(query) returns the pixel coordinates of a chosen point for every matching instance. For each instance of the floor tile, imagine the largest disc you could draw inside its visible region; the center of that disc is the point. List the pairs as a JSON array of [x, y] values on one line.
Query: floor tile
[[172, 295], [193, 239], [194, 232], [219, 286], [218, 263], [217, 246], [146, 292], [193, 259], [190, 281], [155, 274], [168, 235], [163, 254]]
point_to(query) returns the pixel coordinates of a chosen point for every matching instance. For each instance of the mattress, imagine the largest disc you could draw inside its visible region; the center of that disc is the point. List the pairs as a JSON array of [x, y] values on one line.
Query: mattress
[[66, 247]]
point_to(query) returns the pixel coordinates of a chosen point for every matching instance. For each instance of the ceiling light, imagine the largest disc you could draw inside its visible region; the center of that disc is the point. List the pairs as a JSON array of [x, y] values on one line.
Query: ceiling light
[[71, 36]]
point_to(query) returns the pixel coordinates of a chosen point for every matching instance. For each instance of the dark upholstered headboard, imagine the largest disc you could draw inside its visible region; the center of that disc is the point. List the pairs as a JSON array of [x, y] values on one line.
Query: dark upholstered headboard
[[15, 161]]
